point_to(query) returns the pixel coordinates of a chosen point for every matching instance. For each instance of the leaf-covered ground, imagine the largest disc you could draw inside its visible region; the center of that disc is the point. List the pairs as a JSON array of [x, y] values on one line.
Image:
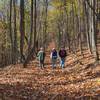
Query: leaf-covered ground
[[79, 80]]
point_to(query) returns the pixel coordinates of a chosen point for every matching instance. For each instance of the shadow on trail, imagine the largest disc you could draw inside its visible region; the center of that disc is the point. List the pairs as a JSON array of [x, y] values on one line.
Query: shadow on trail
[[26, 92]]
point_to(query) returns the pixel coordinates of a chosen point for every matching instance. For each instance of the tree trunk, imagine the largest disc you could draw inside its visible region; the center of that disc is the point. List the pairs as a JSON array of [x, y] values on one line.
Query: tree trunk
[[87, 26], [10, 30], [22, 29], [95, 28], [32, 51], [15, 35], [45, 23], [92, 29], [66, 25], [35, 22], [31, 29]]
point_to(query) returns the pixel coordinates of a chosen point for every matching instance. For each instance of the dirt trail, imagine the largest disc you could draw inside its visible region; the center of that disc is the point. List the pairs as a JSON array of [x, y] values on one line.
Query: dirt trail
[[75, 82]]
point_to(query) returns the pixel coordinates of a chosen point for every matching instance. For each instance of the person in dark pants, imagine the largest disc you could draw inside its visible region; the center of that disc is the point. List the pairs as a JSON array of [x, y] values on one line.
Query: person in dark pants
[[41, 57], [62, 55], [53, 57]]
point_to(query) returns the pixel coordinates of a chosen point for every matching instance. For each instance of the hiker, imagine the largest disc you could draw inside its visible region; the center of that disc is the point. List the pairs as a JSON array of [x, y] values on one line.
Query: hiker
[[62, 55], [53, 57], [41, 57]]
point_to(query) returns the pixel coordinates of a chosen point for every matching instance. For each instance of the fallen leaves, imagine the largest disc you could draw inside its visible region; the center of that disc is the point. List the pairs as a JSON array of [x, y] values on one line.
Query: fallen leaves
[[74, 82]]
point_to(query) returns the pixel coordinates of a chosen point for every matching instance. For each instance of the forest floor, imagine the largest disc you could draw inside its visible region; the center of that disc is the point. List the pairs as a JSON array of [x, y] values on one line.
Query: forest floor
[[79, 80]]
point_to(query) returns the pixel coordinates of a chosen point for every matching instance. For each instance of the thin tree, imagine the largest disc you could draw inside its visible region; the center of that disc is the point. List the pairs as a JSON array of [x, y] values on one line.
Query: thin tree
[[15, 34], [35, 22], [31, 28], [22, 29], [45, 23], [10, 30]]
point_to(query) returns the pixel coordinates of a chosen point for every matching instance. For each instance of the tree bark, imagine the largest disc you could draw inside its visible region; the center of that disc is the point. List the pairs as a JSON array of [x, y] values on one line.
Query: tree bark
[[15, 35], [31, 29], [10, 30], [45, 23], [92, 29], [22, 29], [35, 22]]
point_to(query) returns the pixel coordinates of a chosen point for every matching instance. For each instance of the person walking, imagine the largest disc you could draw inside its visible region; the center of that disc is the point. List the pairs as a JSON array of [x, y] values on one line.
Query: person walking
[[62, 55], [41, 57], [53, 57]]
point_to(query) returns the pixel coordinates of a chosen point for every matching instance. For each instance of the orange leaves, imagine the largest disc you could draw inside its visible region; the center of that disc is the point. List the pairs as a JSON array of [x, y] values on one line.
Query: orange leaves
[[75, 81]]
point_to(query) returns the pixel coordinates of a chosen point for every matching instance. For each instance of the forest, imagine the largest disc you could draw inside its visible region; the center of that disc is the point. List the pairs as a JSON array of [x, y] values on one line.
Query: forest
[[26, 26]]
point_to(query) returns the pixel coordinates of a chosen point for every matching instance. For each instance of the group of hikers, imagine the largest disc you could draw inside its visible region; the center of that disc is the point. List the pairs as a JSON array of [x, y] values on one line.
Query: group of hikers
[[53, 56]]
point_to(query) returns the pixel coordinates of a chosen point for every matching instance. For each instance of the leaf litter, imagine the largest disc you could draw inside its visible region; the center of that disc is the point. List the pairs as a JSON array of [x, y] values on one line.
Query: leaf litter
[[75, 82]]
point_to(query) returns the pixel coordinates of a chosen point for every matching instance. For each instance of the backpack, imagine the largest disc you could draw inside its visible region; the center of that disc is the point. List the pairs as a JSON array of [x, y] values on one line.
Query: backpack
[[54, 54], [63, 53]]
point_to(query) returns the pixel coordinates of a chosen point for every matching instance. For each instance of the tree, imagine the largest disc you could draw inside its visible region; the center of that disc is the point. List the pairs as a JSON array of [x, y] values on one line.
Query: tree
[[10, 30], [45, 23], [92, 28], [22, 29], [35, 23], [32, 51], [15, 35], [31, 28]]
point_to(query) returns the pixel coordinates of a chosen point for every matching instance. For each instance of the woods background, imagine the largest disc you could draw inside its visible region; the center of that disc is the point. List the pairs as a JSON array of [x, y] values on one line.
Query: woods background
[[26, 25]]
